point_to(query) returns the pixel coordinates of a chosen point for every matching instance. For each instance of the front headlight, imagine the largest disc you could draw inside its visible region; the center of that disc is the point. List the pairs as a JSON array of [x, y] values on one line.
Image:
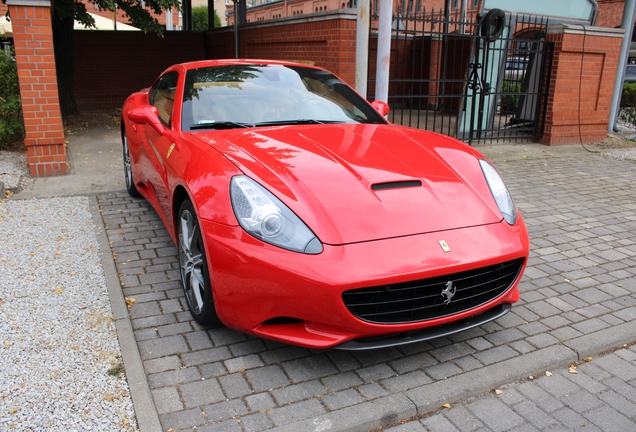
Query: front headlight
[[265, 217], [500, 192]]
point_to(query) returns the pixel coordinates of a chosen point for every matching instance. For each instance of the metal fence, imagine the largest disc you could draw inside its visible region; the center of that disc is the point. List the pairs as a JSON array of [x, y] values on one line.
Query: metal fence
[[446, 77]]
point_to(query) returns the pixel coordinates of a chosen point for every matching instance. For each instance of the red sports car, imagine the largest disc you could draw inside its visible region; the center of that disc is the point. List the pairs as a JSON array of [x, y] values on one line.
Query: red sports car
[[301, 215]]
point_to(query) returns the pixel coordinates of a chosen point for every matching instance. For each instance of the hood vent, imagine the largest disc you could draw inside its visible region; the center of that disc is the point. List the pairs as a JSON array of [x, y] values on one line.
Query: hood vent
[[396, 185]]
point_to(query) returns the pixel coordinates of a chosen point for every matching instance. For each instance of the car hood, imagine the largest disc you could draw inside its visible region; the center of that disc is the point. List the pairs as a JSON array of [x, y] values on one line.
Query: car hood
[[356, 183]]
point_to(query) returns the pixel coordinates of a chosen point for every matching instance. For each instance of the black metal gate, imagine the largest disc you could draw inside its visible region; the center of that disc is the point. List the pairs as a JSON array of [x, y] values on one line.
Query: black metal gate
[[448, 76]]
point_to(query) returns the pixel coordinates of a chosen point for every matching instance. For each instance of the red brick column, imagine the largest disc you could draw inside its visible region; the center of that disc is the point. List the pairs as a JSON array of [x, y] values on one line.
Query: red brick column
[[33, 39], [601, 47]]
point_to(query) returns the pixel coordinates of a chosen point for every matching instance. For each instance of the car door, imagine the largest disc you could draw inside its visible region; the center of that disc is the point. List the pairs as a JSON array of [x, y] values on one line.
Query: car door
[[162, 96]]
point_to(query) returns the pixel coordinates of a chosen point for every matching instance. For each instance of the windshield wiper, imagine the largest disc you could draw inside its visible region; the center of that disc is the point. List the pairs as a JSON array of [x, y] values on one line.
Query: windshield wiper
[[211, 124], [296, 122]]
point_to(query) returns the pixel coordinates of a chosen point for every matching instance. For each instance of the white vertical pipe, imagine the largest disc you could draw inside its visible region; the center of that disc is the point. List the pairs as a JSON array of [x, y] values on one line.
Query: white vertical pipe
[[362, 47], [384, 51], [236, 31], [462, 16], [169, 19], [628, 26]]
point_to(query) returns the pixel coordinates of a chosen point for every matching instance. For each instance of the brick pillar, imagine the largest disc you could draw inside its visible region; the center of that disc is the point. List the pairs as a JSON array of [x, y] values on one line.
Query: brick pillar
[[33, 39], [601, 47]]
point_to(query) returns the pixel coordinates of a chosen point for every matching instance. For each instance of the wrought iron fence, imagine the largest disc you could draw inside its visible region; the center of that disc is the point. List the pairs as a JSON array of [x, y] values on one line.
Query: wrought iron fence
[[446, 77]]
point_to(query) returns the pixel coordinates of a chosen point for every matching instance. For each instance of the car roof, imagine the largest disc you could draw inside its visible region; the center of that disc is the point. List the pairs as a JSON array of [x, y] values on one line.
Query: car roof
[[232, 62]]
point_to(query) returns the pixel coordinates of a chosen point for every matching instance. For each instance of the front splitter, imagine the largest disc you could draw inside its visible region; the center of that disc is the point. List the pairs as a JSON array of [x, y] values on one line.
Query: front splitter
[[427, 333]]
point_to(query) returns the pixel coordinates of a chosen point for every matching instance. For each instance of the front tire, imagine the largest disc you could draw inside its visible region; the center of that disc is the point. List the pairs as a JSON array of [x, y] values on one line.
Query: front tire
[[193, 265], [128, 174]]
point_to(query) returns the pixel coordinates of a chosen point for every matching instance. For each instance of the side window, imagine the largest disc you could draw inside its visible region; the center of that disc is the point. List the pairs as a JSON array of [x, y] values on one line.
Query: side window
[[162, 96]]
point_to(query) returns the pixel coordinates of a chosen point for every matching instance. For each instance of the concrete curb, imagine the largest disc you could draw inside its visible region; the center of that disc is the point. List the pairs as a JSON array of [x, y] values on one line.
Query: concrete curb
[[12, 183], [362, 417], [145, 410], [430, 397], [603, 340]]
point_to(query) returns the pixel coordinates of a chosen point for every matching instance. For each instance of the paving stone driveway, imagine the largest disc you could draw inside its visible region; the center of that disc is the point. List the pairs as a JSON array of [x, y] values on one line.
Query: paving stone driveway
[[599, 395], [580, 286]]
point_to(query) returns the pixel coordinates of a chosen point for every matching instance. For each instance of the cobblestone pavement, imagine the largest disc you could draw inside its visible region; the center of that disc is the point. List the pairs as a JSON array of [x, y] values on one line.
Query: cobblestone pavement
[[599, 395], [578, 298]]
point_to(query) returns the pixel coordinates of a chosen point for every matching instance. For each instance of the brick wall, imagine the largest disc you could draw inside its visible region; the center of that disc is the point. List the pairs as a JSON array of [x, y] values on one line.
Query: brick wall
[[109, 66], [587, 62], [274, 10], [35, 59], [610, 13], [106, 72], [328, 40]]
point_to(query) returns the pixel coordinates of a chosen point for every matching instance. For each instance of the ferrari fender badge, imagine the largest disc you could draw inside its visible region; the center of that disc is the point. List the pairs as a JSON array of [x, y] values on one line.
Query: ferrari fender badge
[[442, 243], [449, 292], [170, 150]]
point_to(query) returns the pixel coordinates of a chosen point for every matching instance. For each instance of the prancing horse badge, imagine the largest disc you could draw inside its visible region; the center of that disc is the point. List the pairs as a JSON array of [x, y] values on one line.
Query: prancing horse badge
[[170, 150], [444, 245], [449, 292]]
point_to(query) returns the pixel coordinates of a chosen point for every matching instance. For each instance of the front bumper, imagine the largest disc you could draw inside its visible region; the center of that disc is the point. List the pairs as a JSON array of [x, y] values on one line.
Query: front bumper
[[426, 333], [297, 298]]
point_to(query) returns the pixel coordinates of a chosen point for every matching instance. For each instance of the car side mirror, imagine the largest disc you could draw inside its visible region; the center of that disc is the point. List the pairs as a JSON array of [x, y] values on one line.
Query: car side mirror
[[381, 107], [147, 114]]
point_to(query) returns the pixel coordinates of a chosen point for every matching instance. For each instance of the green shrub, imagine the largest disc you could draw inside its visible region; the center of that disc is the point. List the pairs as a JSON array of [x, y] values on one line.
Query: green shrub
[[509, 100], [11, 124], [629, 95], [200, 18]]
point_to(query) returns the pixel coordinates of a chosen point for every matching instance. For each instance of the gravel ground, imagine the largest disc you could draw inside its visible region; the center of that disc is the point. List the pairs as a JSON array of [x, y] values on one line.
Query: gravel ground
[[13, 167], [624, 154], [60, 361], [627, 151]]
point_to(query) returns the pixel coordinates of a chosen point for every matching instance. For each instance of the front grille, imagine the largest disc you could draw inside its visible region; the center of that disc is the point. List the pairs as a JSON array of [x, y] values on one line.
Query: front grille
[[422, 299]]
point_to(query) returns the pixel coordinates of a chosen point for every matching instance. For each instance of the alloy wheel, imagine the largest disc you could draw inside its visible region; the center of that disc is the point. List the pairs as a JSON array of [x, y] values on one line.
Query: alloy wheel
[[191, 261], [127, 167]]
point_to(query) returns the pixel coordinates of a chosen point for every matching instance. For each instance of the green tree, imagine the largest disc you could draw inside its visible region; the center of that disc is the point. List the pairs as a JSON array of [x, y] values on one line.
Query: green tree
[[11, 125], [200, 18], [65, 12]]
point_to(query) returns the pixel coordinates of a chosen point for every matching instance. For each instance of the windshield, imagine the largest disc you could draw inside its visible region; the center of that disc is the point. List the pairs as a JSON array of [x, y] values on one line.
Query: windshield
[[264, 95]]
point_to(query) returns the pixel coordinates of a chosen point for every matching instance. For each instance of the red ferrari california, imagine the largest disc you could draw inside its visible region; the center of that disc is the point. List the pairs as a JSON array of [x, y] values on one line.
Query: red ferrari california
[[301, 215]]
